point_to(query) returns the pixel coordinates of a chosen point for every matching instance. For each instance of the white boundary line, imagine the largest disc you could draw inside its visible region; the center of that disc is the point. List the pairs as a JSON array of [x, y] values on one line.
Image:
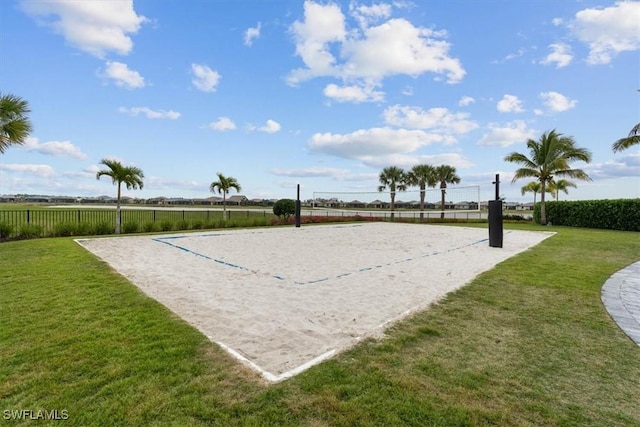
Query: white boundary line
[[268, 375]]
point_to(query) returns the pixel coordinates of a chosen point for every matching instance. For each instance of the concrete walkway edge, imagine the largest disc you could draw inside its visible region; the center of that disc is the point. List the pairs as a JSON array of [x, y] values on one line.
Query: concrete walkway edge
[[621, 297]]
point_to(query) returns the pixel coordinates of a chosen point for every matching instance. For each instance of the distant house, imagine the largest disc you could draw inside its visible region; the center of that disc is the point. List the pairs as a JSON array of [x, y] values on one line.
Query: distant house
[[62, 199], [356, 204], [156, 200], [237, 200], [377, 204]]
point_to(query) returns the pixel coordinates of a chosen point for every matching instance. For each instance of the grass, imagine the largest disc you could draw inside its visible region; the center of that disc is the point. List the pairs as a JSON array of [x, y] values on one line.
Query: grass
[[527, 343]]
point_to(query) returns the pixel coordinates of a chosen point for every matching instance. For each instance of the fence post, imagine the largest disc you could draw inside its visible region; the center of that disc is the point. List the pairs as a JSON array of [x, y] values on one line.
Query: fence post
[[78, 216], [28, 216]]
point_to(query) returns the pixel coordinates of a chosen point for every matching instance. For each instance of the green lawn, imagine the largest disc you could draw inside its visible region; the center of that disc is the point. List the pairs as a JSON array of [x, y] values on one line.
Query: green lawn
[[527, 343]]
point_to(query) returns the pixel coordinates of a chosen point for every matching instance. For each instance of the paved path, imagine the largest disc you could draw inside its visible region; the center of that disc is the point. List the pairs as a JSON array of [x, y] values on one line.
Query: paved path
[[621, 297]]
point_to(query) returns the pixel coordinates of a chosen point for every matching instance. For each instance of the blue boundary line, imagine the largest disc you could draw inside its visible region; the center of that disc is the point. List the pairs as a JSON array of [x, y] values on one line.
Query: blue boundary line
[[308, 282]]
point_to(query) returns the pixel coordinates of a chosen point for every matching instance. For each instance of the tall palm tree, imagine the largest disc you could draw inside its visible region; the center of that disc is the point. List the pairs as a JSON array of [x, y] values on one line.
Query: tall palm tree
[[632, 139], [131, 176], [445, 174], [550, 156], [222, 186], [555, 187], [15, 125], [422, 176], [395, 179]]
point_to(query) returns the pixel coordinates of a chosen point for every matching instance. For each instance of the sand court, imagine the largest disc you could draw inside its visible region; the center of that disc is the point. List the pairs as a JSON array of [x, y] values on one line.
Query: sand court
[[283, 299]]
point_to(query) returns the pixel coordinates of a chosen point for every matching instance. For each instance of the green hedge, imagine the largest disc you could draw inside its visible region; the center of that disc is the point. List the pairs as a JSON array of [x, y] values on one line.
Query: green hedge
[[620, 214]]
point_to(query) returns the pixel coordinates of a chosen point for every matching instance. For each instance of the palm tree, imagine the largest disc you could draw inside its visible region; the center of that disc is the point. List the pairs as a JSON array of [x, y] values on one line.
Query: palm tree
[[131, 176], [550, 156], [15, 125], [632, 139], [422, 176], [532, 187], [222, 186], [555, 187], [395, 179], [445, 174]]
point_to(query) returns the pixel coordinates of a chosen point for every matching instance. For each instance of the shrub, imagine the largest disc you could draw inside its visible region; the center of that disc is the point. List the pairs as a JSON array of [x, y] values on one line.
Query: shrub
[[64, 229], [130, 227], [149, 227], [166, 225], [30, 231], [284, 208], [104, 227], [197, 224], [620, 214], [6, 230], [183, 224], [84, 229]]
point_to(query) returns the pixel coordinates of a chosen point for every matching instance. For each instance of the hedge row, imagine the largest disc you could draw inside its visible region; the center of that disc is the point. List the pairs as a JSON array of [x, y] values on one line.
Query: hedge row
[[620, 214]]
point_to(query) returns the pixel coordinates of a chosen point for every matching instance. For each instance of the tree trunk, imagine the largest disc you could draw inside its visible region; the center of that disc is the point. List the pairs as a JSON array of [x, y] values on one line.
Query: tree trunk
[[443, 190], [393, 204], [118, 218], [543, 213], [224, 205]]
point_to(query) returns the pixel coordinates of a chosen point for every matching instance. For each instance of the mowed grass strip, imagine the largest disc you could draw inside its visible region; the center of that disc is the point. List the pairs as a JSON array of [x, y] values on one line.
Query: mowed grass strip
[[527, 343]]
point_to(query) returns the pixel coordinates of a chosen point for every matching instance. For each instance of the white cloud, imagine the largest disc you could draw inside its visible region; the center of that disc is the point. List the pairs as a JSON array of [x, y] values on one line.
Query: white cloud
[[151, 114], [437, 119], [407, 161], [122, 75], [271, 127], [204, 78], [313, 172], [44, 171], [560, 55], [223, 124], [368, 53], [507, 134], [466, 101], [367, 143], [557, 102], [510, 104], [252, 34], [353, 93], [367, 15], [608, 31], [96, 27], [54, 148]]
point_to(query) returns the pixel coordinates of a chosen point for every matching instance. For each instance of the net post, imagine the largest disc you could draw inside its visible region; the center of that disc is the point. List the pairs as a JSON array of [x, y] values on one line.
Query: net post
[[298, 208]]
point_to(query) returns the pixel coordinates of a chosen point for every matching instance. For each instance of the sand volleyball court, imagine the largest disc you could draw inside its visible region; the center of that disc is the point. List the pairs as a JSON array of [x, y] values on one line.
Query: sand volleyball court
[[283, 299]]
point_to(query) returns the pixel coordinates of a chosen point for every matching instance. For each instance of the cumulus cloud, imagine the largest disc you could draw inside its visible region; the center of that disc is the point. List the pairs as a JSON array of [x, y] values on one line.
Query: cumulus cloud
[[560, 55], [270, 127], [504, 135], [313, 172], [368, 52], [53, 148], [466, 101], [44, 171], [96, 27], [149, 113], [367, 143], [223, 124], [252, 34], [204, 78], [122, 76], [510, 104], [353, 93], [437, 119], [407, 161], [557, 102], [608, 31]]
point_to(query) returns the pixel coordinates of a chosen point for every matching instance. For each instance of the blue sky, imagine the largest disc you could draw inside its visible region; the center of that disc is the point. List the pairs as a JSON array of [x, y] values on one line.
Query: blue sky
[[321, 94]]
